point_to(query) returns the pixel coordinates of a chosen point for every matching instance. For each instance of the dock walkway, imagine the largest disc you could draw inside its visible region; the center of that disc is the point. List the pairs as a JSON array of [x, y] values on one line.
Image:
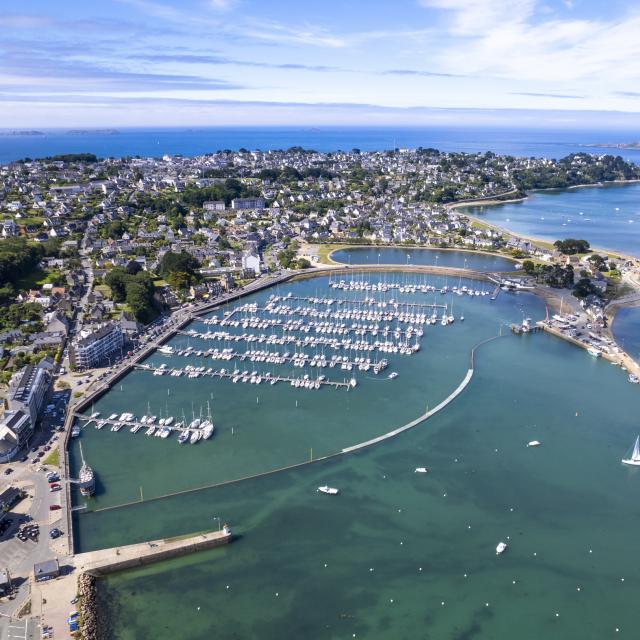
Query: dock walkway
[[229, 375], [105, 561]]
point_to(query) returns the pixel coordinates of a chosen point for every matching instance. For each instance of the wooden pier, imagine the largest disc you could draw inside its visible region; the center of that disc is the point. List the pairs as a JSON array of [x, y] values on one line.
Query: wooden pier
[[266, 378], [278, 358], [131, 424], [369, 302], [307, 341]]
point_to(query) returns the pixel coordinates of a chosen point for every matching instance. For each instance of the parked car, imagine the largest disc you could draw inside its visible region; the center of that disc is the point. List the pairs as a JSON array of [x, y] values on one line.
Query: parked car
[[54, 507], [54, 487]]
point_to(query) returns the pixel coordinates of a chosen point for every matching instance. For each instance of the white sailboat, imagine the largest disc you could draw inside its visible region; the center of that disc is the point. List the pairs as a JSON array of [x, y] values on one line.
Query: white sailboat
[[634, 460]]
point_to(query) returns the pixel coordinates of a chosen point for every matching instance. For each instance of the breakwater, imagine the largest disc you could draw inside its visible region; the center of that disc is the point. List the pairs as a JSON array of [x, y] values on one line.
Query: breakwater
[[105, 561]]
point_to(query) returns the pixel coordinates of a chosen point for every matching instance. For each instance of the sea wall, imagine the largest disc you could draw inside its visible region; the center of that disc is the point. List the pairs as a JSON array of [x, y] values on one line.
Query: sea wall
[[106, 561]]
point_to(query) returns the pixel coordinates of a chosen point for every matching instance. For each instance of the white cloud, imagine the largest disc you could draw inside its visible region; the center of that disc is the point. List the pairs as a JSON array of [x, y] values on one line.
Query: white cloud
[[515, 40], [223, 5], [470, 17]]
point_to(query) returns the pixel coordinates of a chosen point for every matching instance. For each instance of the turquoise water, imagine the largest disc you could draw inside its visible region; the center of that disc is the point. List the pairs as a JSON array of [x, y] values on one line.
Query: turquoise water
[[387, 255], [379, 560], [610, 216]]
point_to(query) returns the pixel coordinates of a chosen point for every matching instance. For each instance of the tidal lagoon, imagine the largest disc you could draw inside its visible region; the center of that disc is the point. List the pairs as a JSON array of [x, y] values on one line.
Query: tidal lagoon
[[396, 553], [607, 216], [423, 257]]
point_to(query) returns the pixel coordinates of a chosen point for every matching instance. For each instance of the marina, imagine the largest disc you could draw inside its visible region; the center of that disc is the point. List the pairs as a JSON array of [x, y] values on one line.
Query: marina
[[192, 431], [443, 481]]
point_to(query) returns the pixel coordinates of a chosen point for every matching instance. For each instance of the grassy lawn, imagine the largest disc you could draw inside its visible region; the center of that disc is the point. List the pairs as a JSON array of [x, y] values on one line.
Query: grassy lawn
[[325, 249], [53, 459], [613, 276], [481, 225], [104, 289]]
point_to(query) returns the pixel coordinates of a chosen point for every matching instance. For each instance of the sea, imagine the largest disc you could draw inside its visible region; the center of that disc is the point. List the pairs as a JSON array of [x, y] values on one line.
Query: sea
[[156, 142], [397, 554], [607, 216]]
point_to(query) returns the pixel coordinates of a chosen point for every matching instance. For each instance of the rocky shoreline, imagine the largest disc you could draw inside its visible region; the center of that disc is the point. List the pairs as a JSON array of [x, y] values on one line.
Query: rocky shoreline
[[91, 625]]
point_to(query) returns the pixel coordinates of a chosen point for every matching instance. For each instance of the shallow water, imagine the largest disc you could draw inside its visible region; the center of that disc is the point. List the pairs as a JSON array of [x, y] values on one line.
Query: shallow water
[[380, 559], [626, 330], [610, 216]]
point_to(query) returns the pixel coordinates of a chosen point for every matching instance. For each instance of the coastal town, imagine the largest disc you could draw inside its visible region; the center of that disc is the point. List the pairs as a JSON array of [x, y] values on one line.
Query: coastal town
[[101, 260]]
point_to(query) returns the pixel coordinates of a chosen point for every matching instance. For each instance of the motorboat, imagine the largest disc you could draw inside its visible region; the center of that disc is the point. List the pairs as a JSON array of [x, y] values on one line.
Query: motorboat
[[501, 548], [534, 443], [332, 491], [421, 470]]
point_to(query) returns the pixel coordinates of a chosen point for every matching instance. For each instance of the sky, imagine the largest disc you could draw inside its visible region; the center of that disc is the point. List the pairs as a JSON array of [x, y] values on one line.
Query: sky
[[332, 62]]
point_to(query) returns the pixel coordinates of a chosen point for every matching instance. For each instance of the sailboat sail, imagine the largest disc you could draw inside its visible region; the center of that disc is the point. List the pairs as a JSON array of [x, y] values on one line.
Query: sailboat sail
[[634, 460]]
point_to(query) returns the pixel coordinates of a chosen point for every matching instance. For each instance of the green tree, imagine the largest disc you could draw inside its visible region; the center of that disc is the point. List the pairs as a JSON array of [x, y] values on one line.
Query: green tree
[[117, 280]]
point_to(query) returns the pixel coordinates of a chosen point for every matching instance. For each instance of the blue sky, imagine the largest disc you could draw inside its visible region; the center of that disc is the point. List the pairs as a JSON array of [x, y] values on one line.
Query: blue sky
[[234, 62]]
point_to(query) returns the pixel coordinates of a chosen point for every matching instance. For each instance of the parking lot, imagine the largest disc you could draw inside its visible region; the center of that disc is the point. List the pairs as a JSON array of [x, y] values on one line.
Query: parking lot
[[26, 629]]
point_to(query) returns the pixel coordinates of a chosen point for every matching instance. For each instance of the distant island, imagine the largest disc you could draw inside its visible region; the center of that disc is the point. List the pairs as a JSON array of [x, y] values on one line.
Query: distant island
[[85, 132], [25, 133], [616, 145]]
